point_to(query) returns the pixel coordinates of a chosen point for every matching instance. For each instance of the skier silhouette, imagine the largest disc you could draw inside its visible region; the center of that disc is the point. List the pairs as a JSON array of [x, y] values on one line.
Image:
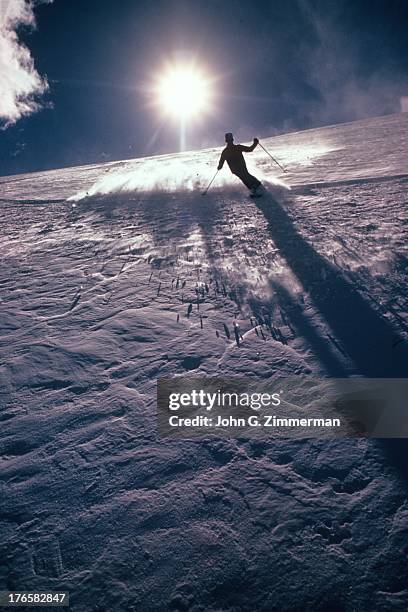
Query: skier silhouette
[[232, 154]]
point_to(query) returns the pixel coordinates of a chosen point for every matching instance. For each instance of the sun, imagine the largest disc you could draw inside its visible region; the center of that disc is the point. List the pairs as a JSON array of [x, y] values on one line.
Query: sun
[[183, 92]]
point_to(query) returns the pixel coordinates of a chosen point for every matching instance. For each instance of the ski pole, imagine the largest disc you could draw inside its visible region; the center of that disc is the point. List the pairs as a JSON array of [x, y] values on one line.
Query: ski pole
[[210, 183], [275, 160]]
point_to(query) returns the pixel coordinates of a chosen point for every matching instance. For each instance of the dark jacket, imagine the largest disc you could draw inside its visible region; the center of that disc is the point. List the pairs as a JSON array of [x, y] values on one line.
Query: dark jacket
[[232, 154]]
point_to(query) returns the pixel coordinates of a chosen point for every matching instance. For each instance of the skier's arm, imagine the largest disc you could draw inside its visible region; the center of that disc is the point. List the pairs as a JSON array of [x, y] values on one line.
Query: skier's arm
[[251, 148], [222, 160]]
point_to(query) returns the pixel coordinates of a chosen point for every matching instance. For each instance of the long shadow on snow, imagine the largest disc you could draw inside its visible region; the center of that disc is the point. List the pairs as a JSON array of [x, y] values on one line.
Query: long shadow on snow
[[304, 327], [374, 346]]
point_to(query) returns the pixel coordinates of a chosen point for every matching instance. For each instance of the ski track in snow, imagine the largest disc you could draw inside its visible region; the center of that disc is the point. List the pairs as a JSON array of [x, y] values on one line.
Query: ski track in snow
[[94, 297]]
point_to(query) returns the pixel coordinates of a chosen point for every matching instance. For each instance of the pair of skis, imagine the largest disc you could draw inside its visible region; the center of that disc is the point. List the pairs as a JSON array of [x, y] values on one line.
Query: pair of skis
[[255, 196]]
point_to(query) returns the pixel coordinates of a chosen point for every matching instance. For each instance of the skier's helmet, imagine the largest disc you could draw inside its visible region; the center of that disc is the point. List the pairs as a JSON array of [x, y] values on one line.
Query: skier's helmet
[[229, 137]]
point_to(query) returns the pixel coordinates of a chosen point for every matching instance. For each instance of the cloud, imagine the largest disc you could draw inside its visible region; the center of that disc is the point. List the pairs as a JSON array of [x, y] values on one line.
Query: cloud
[[350, 85], [20, 83]]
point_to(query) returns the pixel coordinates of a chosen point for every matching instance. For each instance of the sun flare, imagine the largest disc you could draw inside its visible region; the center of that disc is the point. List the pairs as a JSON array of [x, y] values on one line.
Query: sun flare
[[183, 92]]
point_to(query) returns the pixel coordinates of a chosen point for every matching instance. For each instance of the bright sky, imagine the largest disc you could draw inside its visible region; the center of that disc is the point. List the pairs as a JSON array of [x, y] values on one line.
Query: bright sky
[[77, 89]]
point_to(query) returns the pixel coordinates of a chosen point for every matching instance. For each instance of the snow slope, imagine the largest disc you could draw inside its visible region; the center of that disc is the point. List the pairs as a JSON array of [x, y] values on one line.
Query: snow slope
[[99, 266]]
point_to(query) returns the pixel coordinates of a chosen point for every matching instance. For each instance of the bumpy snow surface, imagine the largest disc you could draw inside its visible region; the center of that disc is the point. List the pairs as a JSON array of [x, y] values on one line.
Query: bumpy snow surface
[[99, 265]]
